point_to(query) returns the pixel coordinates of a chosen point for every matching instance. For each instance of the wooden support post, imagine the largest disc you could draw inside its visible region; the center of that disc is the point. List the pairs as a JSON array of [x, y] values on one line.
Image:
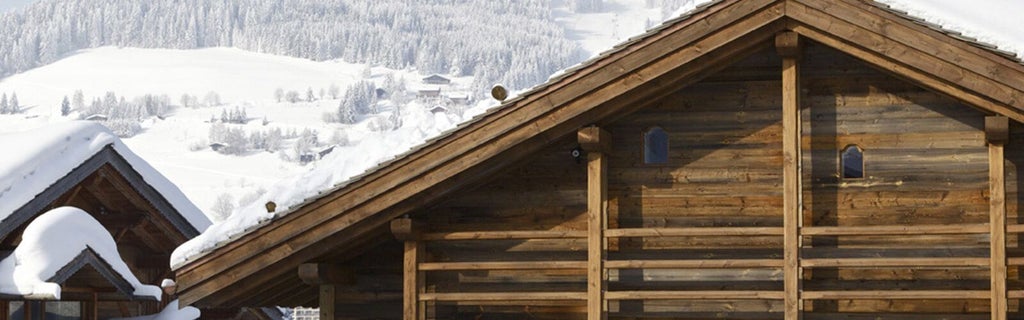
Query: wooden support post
[[597, 143], [997, 134], [413, 280], [327, 302], [788, 46]]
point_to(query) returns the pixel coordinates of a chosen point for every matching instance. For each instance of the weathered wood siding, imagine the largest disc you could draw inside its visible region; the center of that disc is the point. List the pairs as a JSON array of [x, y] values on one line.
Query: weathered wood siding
[[515, 245], [925, 163]]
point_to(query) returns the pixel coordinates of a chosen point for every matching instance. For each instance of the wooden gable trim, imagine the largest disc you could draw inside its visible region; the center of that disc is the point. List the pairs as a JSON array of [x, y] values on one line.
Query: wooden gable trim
[[729, 31], [615, 84], [915, 53], [89, 257], [181, 230]]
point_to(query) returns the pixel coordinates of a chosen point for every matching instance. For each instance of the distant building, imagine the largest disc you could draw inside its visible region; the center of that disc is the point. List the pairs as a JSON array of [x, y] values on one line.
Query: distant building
[[436, 79], [428, 93], [217, 146], [461, 99], [97, 117], [438, 109], [301, 313]]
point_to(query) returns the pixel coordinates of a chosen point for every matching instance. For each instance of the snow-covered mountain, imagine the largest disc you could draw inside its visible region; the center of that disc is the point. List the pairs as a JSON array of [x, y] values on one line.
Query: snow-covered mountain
[[269, 116]]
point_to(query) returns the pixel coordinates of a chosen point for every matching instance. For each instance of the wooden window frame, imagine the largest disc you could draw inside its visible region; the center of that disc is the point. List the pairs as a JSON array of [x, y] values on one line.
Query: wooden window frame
[[644, 145], [842, 162]]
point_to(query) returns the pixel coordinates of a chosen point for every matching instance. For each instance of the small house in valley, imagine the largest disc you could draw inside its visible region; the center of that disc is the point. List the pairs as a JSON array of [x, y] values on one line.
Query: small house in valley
[[437, 79], [750, 159]]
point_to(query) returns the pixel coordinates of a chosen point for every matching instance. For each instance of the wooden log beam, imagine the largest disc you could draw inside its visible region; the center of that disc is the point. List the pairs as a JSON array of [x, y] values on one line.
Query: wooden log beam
[[404, 229], [695, 295], [895, 230], [322, 273], [503, 296], [690, 232], [597, 143], [504, 235], [896, 294], [694, 264], [997, 134], [896, 262], [502, 265], [787, 44]]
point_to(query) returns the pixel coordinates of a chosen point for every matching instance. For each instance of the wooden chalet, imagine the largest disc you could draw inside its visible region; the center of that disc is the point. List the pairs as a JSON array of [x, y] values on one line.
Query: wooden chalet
[[754, 159], [132, 204]]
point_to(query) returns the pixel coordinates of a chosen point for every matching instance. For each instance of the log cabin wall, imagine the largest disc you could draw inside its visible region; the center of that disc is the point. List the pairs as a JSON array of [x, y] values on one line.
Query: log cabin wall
[[925, 168], [701, 235]]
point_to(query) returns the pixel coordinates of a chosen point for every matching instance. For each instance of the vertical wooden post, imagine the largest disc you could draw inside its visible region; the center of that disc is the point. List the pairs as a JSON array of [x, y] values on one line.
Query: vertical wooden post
[[412, 278], [997, 134], [327, 302], [788, 46], [596, 143]]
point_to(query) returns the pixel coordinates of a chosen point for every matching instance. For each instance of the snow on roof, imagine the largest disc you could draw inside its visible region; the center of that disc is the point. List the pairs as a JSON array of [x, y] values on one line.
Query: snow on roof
[[36, 159], [52, 241], [170, 312], [252, 217]]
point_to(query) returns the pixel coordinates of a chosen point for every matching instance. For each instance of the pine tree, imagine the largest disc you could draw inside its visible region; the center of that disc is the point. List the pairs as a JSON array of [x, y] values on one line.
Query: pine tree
[[279, 94], [65, 107], [3, 104], [14, 107], [310, 97], [78, 102]]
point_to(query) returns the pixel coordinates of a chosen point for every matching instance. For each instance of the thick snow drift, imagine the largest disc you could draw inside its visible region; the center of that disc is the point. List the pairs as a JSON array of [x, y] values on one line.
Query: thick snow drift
[[53, 240], [37, 158]]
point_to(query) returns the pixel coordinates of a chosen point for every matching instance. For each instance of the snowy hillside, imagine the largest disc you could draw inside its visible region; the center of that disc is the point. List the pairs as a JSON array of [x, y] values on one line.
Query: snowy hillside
[[178, 143]]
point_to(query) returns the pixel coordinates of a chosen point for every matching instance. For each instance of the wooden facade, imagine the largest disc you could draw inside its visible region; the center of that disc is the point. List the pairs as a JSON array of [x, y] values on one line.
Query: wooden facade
[[749, 216], [144, 225]]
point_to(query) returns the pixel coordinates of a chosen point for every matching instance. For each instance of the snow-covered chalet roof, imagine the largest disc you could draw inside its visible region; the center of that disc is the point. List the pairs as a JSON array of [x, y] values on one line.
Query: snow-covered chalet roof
[[58, 243], [35, 160], [925, 12]]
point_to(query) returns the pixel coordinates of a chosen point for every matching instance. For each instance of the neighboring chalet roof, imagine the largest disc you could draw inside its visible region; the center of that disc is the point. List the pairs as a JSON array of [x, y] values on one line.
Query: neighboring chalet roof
[[57, 245], [42, 164], [632, 75], [436, 79]]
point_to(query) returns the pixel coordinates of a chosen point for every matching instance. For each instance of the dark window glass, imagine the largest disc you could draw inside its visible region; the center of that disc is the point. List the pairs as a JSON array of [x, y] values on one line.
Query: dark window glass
[[655, 146], [63, 310], [853, 162]]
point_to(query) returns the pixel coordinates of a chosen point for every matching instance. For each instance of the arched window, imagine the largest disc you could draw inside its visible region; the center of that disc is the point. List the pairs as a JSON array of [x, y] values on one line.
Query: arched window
[[853, 162], [655, 146]]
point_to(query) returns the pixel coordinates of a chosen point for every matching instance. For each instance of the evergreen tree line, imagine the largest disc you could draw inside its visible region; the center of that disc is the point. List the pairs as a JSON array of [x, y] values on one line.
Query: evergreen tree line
[[236, 141], [513, 42], [10, 106], [120, 115]]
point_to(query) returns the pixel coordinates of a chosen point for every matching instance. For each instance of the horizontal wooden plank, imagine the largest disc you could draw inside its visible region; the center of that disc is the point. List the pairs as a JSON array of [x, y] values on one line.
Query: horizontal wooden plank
[[895, 294], [694, 295], [894, 262], [1015, 261], [694, 264], [1015, 294], [894, 230], [504, 235], [502, 265], [689, 232], [1015, 228], [502, 296]]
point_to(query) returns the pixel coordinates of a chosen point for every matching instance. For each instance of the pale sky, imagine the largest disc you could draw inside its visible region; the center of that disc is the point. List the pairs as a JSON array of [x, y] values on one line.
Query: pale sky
[[7, 5]]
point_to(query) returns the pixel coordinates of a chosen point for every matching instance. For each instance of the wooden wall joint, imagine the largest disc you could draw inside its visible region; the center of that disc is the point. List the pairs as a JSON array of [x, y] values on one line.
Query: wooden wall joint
[[323, 273], [787, 44], [405, 229], [997, 130], [594, 139]]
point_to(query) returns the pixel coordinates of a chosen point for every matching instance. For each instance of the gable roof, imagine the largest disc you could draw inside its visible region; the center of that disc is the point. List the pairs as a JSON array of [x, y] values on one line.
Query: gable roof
[[52, 160], [629, 77], [58, 244]]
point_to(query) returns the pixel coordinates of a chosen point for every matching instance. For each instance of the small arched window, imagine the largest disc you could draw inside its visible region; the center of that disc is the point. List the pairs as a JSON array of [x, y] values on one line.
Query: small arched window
[[655, 146], [853, 162]]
